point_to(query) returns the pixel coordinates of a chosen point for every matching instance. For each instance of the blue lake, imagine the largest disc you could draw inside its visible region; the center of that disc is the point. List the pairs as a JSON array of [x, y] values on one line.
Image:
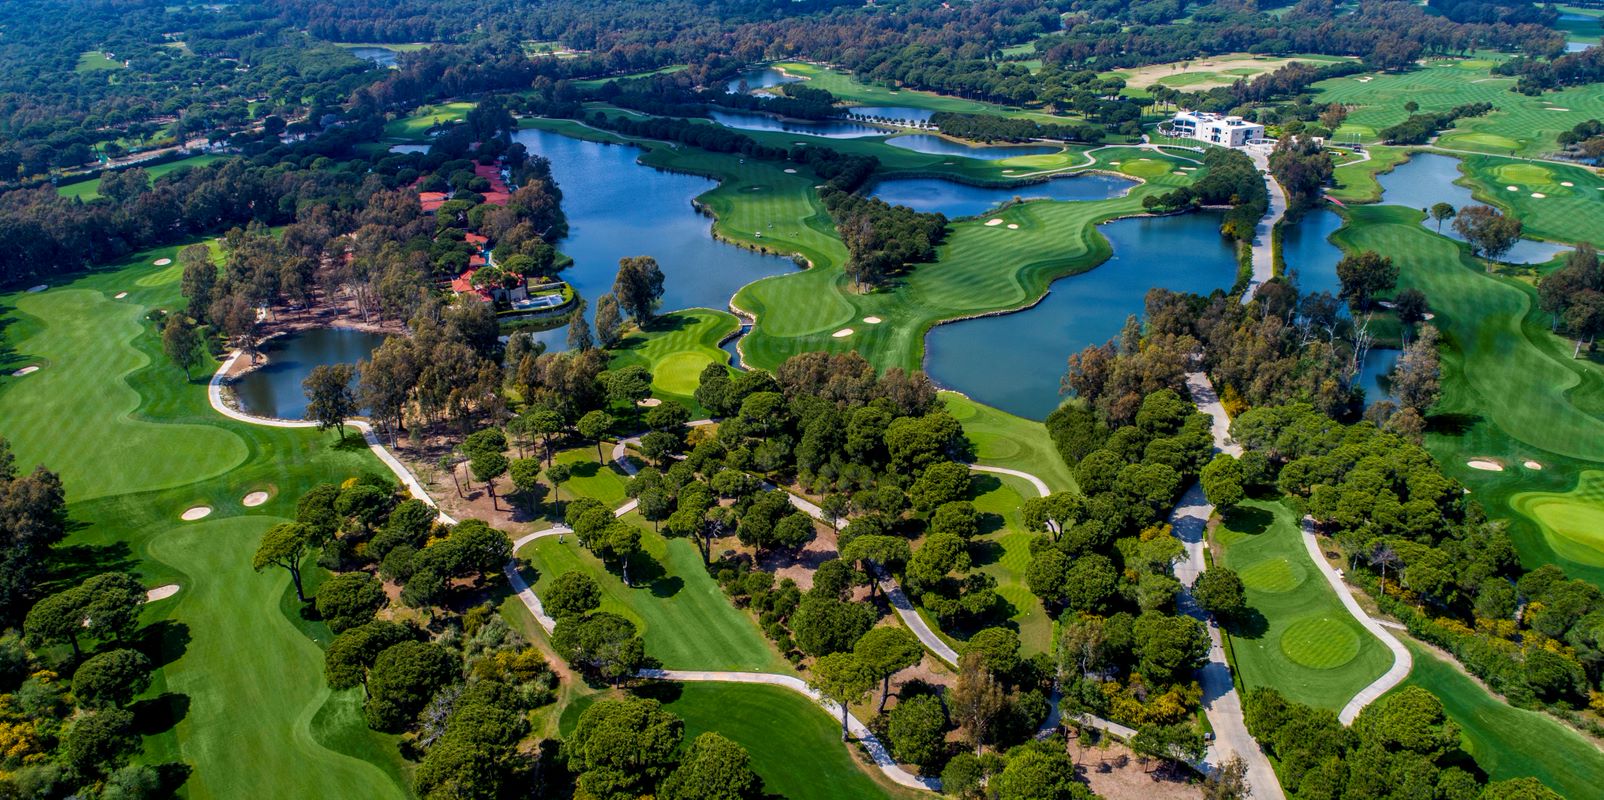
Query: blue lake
[[829, 129], [1377, 365], [763, 78], [1015, 361], [619, 208], [274, 389], [962, 200], [1307, 251], [383, 56], [1427, 179], [902, 113], [936, 145]]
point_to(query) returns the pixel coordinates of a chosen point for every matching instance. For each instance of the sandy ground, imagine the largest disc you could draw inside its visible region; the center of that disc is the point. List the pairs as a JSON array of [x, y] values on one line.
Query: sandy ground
[[120, 295], [843, 333], [254, 499], [1147, 76], [994, 222], [161, 593], [650, 402], [873, 320], [29, 370], [800, 566], [195, 513], [1114, 772], [1530, 464], [162, 262], [1485, 465]]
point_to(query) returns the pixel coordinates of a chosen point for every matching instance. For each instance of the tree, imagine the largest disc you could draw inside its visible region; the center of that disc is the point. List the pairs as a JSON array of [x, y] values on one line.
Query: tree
[[976, 700], [1442, 212], [111, 679], [602, 644], [1222, 481], [842, 679], [886, 651], [998, 649], [714, 768], [181, 343], [572, 594], [1169, 648], [917, 731], [546, 424], [940, 483], [348, 600], [330, 398], [403, 680], [1035, 775], [639, 287], [622, 748], [594, 426], [608, 321], [199, 280], [825, 625], [1489, 232], [283, 545], [525, 473], [352, 653], [628, 385], [1220, 592], [579, 336], [1230, 781], [557, 473], [487, 466], [1416, 378], [1364, 276], [57, 618], [1410, 306], [96, 742]]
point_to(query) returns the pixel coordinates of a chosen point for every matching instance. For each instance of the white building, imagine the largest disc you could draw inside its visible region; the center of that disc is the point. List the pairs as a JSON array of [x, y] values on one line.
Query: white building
[[1215, 128]]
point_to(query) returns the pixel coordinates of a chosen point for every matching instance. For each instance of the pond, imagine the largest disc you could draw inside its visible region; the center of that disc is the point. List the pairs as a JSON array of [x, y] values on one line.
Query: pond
[[761, 78], [1014, 362], [1308, 251], [274, 389], [962, 200], [383, 56], [898, 113], [936, 145], [1373, 373], [1427, 179], [829, 129], [410, 148], [618, 208]]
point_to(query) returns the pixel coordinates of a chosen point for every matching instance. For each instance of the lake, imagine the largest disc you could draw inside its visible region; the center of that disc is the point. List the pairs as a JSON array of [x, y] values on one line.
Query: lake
[[1427, 179], [383, 56], [410, 148], [1014, 362], [900, 113], [962, 200], [618, 208], [936, 145], [1307, 251], [829, 129], [274, 389], [1377, 365], [761, 78]]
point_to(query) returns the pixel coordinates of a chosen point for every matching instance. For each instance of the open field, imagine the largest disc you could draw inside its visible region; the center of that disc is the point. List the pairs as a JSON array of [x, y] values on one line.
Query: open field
[[1508, 742], [96, 61], [249, 725], [89, 190], [851, 90], [1208, 73], [415, 126], [681, 612], [1297, 636], [1004, 440], [675, 349]]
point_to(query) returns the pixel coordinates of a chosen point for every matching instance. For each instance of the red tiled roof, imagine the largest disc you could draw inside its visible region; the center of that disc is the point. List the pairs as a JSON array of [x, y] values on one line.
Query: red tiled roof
[[496, 198], [476, 261], [474, 238]]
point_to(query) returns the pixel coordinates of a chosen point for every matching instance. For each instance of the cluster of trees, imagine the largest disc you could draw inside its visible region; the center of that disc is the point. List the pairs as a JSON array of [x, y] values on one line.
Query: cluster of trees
[[882, 240], [1290, 81], [992, 128], [1420, 128], [1574, 295], [1570, 69], [1490, 232], [1402, 745], [33, 517], [630, 746], [1231, 179], [1303, 168]]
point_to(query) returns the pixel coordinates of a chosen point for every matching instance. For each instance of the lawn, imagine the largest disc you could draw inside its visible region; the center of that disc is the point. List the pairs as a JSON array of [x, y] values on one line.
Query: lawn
[[90, 189], [603, 482], [242, 678], [685, 618], [96, 61], [1297, 637], [1004, 440], [1003, 552], [1509, 742], [675, 348], [1571, 208], [1571, 521], [415, 127]]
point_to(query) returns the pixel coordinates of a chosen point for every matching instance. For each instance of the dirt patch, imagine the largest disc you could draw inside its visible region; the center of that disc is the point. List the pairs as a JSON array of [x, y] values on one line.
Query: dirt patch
[[800, 566], [198, 512], [1113, 772]]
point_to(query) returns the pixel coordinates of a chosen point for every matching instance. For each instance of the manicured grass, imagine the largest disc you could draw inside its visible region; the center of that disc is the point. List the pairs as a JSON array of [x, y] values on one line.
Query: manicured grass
[[1003, 552], [1004, 440], [850, 90], [1297, 637], [1572, 521], [675, 349], [1509, 742], [96, 61], [1573, 213], [681, 612], [592, 83], [603, 482], [1355, 181], [136, 445], [89, 190], [415, 126]]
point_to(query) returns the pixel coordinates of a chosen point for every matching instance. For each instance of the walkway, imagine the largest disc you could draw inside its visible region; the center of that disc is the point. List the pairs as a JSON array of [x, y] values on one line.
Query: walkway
[[1402, 660], [1263, 233], [1221, 702]]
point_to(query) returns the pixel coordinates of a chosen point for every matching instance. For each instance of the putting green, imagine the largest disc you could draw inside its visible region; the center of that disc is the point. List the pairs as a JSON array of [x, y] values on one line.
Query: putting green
[[1274, 575], [675, 348], [1522, 172], [1320, 642], [1147, 167], [1573, 522]]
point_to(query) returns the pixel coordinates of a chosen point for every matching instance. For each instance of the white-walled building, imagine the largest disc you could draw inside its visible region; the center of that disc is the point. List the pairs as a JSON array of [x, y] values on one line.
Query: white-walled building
[[1215, 128]]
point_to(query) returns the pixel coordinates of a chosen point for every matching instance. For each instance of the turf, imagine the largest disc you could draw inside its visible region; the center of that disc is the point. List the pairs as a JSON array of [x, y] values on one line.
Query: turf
[[242, 678], [1508, 742], [681, 612], [1297, 638], [1573, 521], [675, 348], [416, 126], [1004, 440], [95, 61], [90, 189], [1572, 213], [603, 482], [1002, 551]]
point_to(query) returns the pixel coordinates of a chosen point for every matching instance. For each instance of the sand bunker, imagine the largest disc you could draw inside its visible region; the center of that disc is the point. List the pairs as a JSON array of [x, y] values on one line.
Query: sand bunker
[[161, 593], [1513, 188], [1539, 195], [254, 499], [873, 320], [37, 289], [1484, 464], [120, 295], [1013, 227], [196, 513], [1566, 184], [790, 171], [650, 402], [1556, 108], [162, 262], [1530, 464], [843, 333], [25, 371], [994, 222]]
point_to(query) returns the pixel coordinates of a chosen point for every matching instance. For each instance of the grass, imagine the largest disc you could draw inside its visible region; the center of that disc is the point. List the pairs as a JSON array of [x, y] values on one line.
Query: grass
[[89, 190], [1297, 637], [603, 482], [681, 612], [1573, 213], [855, 92], [1571, 521], [675, 349], [415, 127], [1509, 742], [242, 678], [1004, 440], [1208, 73], [592, 83], [1003, 552], [95, 61]]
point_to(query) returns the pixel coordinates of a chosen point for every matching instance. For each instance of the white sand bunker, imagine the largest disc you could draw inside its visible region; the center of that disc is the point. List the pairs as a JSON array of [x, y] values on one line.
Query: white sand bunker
[[161, 593], [994, 222], [29, 370], [1530, 464], [1486, 465], [254, 499], [1513, 188], [162, 262], [790, 171], [1556, 108], [873, 320], [37, 289], [120, 295], [650, 402], [1566, 184], [1013, 227], [843, 333], [196, 513], [1539, 195]]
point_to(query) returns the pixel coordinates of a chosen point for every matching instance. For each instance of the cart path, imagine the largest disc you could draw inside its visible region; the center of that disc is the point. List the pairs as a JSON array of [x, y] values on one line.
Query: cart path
[[1402, 660]]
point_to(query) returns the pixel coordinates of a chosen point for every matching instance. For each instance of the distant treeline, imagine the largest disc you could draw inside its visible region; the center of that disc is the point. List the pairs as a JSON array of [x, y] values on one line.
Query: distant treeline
[[1571, 69], [989, 128], [1419, 128], [673, 95]]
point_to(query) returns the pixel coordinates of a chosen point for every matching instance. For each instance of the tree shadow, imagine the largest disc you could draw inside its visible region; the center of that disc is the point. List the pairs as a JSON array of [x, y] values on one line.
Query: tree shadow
[[1248, 624], [983, 483], [1249, 520], [1452, 424], [161, 713], [667, 586], [984, 552], [644, 570], [76, 563], [173, 776], [163, 641], [664, 692]]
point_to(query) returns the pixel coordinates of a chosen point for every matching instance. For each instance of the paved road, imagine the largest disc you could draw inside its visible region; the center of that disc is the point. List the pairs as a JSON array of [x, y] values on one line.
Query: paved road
[[1221, 702], [1402, 660], [1263, 259]]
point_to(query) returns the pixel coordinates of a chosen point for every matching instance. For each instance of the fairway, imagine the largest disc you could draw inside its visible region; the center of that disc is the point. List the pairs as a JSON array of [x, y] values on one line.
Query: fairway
[[1297, 637], [90, 189], [414, 127], [1003, 552], [1004, 440], [1573, 521], [1571, 208], [259, 719], [1508, 742], [675, 348]]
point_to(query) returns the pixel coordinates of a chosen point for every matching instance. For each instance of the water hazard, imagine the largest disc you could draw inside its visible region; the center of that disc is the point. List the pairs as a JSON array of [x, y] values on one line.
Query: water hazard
[[274, 389]]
